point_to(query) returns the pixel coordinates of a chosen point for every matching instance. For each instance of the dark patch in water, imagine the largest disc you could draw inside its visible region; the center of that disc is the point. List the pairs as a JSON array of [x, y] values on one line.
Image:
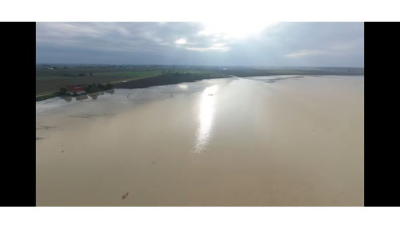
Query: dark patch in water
[[286, 78], [45, 127], [89, 115], [124, 196]]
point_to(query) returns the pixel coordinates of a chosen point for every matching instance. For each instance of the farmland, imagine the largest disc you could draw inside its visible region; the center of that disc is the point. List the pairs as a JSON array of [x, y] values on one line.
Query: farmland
[[49, 78]]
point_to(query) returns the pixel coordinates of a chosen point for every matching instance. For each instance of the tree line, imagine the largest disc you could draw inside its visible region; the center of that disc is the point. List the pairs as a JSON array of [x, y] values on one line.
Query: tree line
[[91, 88]]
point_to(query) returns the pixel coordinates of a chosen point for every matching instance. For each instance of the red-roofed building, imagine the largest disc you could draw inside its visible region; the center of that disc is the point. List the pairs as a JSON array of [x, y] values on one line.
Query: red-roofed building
[[76, 90]]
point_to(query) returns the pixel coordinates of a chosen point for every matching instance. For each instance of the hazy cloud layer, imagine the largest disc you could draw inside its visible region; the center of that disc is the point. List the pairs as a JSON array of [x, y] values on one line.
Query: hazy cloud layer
[[244, 44]]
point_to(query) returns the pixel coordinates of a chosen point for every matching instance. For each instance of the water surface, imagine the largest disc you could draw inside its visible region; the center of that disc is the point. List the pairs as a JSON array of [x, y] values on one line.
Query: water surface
[[260, 141]]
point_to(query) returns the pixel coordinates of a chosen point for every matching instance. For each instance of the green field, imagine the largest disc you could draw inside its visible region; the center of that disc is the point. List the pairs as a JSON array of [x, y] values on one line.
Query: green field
[[50, 83], [49, 78]]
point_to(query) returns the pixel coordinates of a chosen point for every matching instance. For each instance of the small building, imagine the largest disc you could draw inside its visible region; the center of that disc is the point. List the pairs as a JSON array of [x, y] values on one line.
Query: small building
[[76, 90]]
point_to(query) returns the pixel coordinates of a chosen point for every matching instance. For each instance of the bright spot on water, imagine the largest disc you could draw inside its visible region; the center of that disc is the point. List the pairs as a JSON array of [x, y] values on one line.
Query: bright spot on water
[[206, 118], [182, 86]]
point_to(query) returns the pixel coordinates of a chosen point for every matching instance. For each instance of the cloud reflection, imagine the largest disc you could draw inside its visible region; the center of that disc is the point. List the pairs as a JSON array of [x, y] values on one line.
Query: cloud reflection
[[206, 118]]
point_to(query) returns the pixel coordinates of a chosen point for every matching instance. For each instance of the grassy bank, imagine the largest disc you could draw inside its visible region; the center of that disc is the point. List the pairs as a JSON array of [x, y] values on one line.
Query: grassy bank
[[48, 84], [47, 96]]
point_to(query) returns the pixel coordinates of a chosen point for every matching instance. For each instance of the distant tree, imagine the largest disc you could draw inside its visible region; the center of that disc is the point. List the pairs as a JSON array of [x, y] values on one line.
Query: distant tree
[[91, 88], [63, 90], [109, 86]]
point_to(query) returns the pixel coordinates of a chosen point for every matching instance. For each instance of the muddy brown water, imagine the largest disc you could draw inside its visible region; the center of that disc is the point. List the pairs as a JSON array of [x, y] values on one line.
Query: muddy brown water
[[221, 142]]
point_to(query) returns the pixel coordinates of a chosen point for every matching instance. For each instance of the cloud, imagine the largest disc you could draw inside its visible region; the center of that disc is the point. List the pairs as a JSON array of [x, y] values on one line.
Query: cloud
[[303, 53], [180, 41], [212, 48], [229, 43]]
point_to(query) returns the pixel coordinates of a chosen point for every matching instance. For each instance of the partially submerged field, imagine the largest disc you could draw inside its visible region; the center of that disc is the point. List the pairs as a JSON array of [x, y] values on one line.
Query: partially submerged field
[[259, 141], [50, 78], [47, 84]]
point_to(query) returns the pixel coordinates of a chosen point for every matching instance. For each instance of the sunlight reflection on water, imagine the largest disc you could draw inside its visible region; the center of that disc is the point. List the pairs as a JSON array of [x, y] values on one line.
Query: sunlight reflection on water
[[206, 118]]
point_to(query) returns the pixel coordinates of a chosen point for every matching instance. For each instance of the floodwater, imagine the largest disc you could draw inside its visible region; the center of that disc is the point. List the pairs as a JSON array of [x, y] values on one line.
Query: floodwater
[[260, 141]]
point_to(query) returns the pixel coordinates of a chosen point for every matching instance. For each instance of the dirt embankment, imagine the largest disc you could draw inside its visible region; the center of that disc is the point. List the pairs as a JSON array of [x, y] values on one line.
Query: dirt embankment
[[166, 80]]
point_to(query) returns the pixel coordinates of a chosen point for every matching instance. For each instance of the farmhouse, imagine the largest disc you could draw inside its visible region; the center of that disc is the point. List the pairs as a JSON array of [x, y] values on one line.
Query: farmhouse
[[76, 90]]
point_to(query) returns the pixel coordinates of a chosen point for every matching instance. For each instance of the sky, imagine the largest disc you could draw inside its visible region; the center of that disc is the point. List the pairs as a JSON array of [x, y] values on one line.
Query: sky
[[240, 43]]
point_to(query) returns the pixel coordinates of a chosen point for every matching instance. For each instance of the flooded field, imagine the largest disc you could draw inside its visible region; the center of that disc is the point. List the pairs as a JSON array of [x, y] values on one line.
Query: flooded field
[[258, 141]]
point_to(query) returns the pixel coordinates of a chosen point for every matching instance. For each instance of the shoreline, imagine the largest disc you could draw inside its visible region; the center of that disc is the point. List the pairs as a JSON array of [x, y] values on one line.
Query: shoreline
[[145, 82], [166, 80], [161, 80]]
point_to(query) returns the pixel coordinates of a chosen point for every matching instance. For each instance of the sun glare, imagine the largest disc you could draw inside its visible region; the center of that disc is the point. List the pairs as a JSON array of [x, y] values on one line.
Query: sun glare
[[234, 29], [206, 118]]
